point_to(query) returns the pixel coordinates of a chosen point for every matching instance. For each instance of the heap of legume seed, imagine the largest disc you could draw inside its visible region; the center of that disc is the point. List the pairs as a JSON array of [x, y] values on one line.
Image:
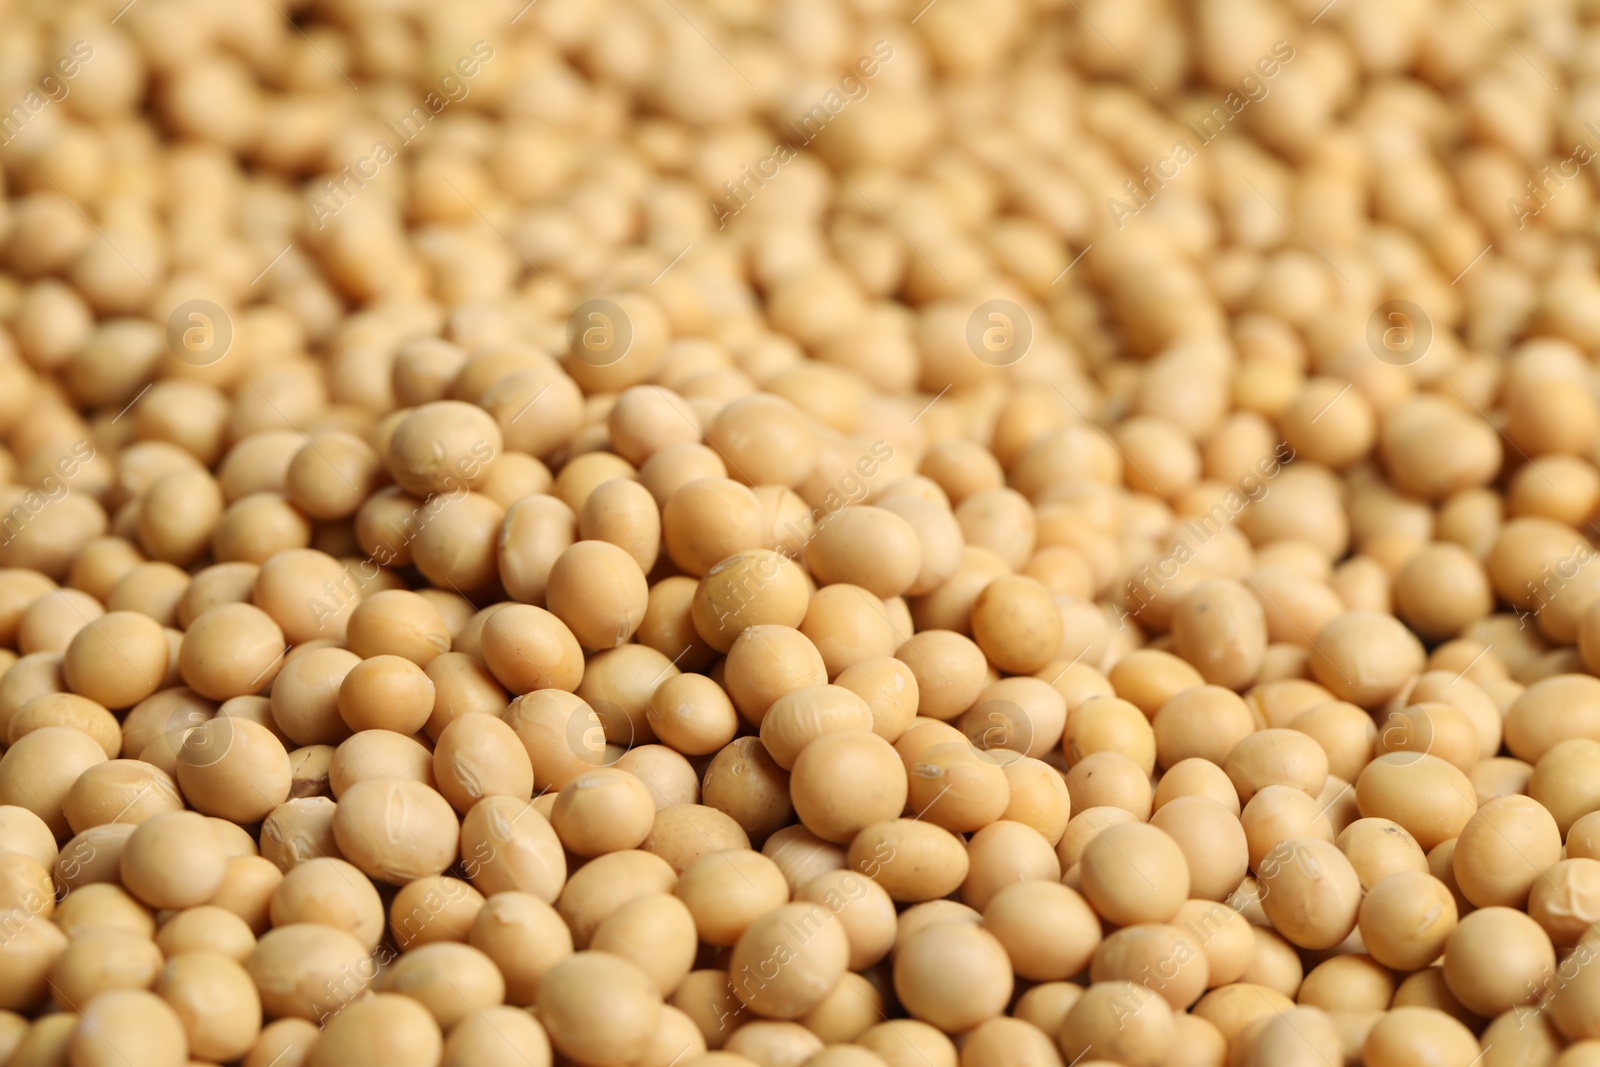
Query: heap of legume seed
[[825, 533]]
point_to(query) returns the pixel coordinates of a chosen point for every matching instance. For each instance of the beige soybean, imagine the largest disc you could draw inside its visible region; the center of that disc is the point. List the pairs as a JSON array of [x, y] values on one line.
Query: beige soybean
[[1204, 722], [1365, 657], [127, 1026], [1277, 757], [384, 1028], [452, 981], [528, 648], [1148, 678], [1503, 850], [1025, 715], [802, 715], [1016, 623], [598, 590], [1345, 732], [39, 770], [433, 909], [497, 1037], [235, 769], [99, 960], [727, 891], [752, 588], [1220, 628], [1133, 872], [1091, 1030], [478, 756], [1429, 797], [668, 624], [1196, 776], [1084, 827], [1109, 724], [845, 780], [953, 976], [535, 531], [563, 735], [1110, 779], [1406, 919], [603, 810], [705, 521], [1559, 782], [25, 833], [1212, 840], [1038, 797], [816, 952], [378, 754], [1310, 892], [655, 932], [1435, 728], [912, 860], [950, 670], [1003, 853], [668, 775], [870, 547], [461, 683], [116, 660], [1166, 955], [1047, 929], [386, 692], [231, 650], [1550, 711], [441, 445], [50, 622], [173, 860], [207, 928], [693, 714], [395, 829], [332, 892], [103, 904], [599, 1009], [774, 1044], [95, 855], [683, 833], [1561, 900], [506, 845], [397, 622], [1497, 958], [623, 513], [1377, 848], [1279, 812], [802, 855], [940, 540], [305, 695], [767, 661], [69, 710], [309, 594], [606, 883], [216, 1002], [525, 938], [957, 787]]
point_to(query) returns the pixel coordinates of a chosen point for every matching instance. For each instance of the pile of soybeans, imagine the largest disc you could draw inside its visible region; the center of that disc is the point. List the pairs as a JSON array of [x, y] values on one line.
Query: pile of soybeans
[[799, 533]]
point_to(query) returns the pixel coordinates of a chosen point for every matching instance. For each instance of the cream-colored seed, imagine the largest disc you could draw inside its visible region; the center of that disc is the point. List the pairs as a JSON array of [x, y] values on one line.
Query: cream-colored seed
[[518, 619]]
